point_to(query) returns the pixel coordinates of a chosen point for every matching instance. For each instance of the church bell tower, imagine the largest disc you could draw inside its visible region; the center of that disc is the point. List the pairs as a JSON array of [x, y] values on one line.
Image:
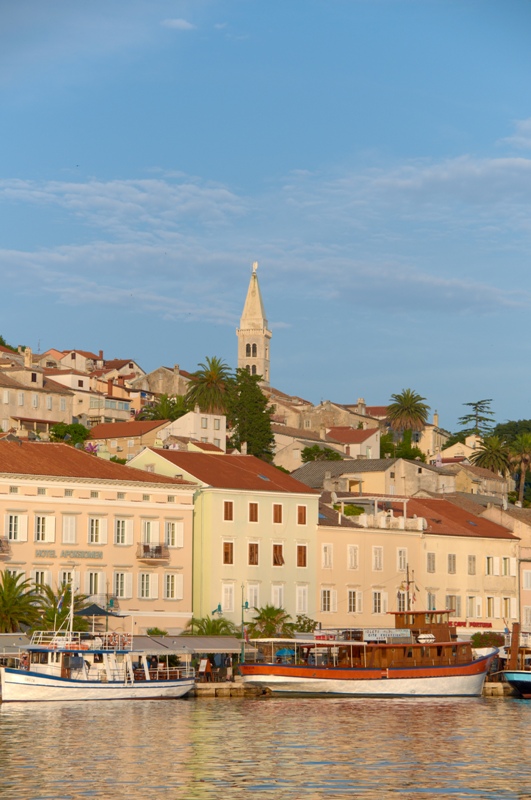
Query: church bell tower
[[253, 334]]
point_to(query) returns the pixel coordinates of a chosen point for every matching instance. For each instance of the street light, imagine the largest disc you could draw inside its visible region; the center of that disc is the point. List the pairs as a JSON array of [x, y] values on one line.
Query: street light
[[245, 607]]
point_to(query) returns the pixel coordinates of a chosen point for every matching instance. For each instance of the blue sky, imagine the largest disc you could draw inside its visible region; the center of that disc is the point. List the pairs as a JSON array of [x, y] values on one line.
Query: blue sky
[[374, 156]]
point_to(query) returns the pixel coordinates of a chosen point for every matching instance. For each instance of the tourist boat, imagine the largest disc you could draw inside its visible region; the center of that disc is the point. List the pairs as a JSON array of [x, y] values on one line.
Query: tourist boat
[[420, 656], [518, 670], [68, 665]]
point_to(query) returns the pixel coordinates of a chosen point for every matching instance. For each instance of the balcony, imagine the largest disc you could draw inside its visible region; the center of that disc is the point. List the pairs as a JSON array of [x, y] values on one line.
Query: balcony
[[152, 552], [5, 547]]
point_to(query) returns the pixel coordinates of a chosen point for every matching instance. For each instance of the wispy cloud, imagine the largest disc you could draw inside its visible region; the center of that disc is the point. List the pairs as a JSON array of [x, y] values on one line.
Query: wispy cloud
[[178, 24], [522, 136]]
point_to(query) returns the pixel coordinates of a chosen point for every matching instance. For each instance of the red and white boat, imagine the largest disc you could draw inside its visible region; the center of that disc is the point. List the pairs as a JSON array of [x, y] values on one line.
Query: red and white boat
[[420, 656]]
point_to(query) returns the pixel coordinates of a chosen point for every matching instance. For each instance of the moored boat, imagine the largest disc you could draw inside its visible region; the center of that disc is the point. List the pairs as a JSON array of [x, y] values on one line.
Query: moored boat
[[67, 665], [420, 656]]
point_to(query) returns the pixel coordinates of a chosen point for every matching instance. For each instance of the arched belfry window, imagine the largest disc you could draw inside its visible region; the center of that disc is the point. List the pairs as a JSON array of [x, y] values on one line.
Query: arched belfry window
[[248, 350], [248, 368], [253, 369], [254, 351]]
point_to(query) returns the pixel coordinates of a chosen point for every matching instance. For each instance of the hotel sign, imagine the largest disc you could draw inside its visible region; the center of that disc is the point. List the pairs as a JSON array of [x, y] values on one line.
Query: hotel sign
[[69, 554]]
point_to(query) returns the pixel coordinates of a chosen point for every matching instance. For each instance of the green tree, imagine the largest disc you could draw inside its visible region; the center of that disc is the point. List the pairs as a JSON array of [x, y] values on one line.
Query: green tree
[[19, 602], [508, 431], [53, 612], [156, 632], [316, 453], [407, 411], [3, 343], [209, 386], [520, 450], [405, 449], [304, 624], [210, 626], [270, 621], [387, 445], [480, 420], [70, 434], [249, 417], [166, 407], [493, 454]]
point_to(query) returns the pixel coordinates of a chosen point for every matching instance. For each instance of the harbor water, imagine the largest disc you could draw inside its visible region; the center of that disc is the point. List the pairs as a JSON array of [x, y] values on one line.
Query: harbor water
[[267, 748]]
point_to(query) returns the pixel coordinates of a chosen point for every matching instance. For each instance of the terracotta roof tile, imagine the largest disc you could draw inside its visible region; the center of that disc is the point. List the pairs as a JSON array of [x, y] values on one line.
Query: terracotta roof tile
[[347, 435], [448, 519], [376, 411], [301, 433], [117, 430]]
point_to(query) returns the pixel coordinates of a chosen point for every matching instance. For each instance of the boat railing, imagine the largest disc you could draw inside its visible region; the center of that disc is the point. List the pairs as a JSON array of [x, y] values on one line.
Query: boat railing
[[76, 640], [171, 674]]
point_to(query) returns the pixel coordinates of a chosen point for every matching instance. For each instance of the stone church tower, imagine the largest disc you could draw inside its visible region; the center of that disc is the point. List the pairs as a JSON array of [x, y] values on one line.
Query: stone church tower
[[253, 334]]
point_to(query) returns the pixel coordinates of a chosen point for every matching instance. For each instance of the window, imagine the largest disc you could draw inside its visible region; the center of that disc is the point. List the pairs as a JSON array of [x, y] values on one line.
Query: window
[[401, 604], [247, 351], [253, 512], [432, 602], [253, 554], [326, 600], [39, 579], [301, 600], [253, 595], [506, 566], [354, 601], [21, 398], [401, 560], [119, 584], [216, 424], [278, 555], [204, 422], [217, 443], [254, 351], [12, 527], [227, 597], [352, 556], [40, 529], [13, 490], [174, 533], [376, 602], [277, 595], [204, 439], [471, 565], [451, 563], [120, 495], [377, 558], [69, 492], [62, 404], [49, 402], [302, 555], [326, 553], [41, 490], [228, 511], [253, 369], [489, 565], [73, 356], [145, 584], [277, 513], [146, 498], [490, 606], [35, 400], [527, 618], [119, 531], [6, 395], [527, 578], [147, 531], [69, 529], [471, 607], [228, 552], [170, 498], [93, 579], [453, 604], [173, 586], [94, 533], [301, 515], [94, 495], [506, 602], [430, 562]]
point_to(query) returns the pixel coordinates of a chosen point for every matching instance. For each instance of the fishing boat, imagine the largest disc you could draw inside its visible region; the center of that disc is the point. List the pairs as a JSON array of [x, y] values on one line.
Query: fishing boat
[[68, 665], [420, 656], [518, 670]]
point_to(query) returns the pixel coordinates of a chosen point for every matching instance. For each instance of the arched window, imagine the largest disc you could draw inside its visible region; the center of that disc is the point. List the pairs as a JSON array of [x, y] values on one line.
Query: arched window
[[248, 350], [248, 368], [254, 351], [253, 370]]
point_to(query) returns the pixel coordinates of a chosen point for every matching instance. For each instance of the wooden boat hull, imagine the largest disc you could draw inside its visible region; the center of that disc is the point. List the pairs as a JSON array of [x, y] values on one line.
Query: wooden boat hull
[[22, 686], [520, 680], [463, 680]]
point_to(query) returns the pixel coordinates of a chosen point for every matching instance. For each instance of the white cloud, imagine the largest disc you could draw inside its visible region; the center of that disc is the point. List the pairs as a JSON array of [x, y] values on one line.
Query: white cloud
[[178, 24], [522, 136]]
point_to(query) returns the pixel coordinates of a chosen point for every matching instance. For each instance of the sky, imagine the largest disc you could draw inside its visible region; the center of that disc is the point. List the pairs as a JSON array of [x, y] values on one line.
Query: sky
[[374, 156]]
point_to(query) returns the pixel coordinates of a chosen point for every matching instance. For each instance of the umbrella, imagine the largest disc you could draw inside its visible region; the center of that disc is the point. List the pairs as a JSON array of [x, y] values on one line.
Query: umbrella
[[95, 611], [285, 652]]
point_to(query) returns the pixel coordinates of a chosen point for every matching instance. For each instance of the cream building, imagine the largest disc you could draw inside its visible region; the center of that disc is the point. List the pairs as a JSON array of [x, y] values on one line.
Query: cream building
[[254, 533], [31, 402], [124, 536], [454, 559]]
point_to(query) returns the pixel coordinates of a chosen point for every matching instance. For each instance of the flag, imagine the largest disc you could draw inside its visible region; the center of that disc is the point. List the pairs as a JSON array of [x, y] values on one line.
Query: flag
[[61, 600]]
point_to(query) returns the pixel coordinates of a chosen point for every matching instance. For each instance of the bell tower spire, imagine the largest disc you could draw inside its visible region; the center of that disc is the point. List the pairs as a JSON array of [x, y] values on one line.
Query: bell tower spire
[[253, 333]]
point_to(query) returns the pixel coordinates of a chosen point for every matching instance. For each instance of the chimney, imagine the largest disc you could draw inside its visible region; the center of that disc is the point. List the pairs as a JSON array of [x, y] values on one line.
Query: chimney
[[28, 358], [322, 432], [436, 418], [100, 355], [109, 387], [176, 369], [121, 380], [361, 406], [243, 448]]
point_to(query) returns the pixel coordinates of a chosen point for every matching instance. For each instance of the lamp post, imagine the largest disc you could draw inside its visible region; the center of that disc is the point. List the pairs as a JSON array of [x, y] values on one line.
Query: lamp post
[[245, 607]]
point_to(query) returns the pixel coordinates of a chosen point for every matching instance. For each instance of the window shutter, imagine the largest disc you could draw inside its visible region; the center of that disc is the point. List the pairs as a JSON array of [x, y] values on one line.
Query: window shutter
[[496, 565], [129, 533], [102, 583], [497, 607], [514, 608], [359, 602], [155, 532], [139, 586], [6, 525], [154, 586], [22, 528], [479, 607], [103, 530], [128, 585], [513, 567], [87, 583], [333, 600], [69, 529], [76, 575], [179, 586], [179, 534], [50, 529], [384, 602]]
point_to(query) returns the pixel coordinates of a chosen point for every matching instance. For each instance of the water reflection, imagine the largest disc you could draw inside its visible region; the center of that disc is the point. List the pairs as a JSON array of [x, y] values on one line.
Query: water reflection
[[279, 748]]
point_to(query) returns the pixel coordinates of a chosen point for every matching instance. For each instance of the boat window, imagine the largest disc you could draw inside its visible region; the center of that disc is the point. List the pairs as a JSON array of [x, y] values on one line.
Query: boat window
[[43, 658]]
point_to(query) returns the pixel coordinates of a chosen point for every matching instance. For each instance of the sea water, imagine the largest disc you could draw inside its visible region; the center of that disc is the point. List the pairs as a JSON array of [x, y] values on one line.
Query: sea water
[[267, 748]]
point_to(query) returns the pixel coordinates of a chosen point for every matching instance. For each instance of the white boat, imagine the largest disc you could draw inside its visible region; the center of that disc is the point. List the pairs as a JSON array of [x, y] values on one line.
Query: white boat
[[68, 665]]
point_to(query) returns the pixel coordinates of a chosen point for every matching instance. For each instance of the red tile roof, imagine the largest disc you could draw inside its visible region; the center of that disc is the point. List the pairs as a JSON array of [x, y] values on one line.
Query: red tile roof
[[234, 472], [85, 353], [117, 430], [206, 446], [62, 460], [347, 435], [301, 433], [376, 411], [448, 519]]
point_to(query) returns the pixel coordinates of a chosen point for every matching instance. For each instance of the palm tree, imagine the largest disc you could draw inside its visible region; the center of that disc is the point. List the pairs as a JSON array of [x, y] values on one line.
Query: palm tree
[[210, 626], [270, 621], [166, 407], [19, 602], [493, 454], [54, 611], [520, 450], [209, 386], [407, 412]]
